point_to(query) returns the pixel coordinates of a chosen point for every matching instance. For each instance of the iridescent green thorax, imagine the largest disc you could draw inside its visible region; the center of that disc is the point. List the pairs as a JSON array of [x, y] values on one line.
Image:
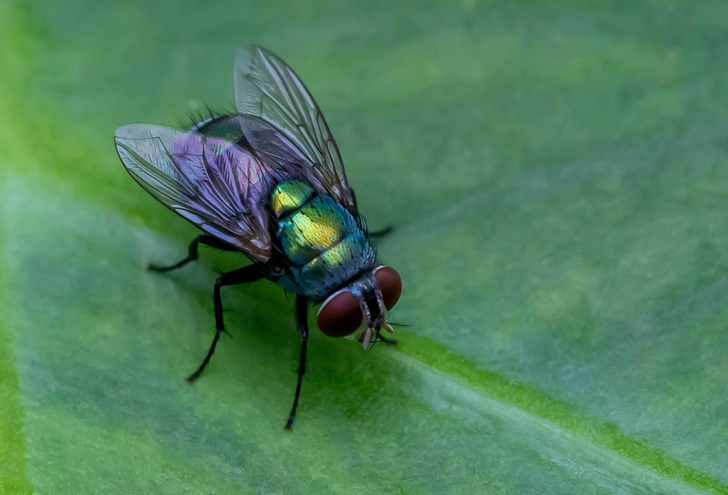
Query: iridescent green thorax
[[226, 127], [321, 239]]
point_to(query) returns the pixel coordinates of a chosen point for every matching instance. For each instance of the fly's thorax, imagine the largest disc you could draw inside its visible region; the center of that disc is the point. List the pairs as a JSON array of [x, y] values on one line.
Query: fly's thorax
[[227, 127], [320, 238]]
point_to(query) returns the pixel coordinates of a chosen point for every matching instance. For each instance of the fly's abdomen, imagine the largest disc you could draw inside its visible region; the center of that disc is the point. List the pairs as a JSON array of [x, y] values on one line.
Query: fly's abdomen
[[320, 238]]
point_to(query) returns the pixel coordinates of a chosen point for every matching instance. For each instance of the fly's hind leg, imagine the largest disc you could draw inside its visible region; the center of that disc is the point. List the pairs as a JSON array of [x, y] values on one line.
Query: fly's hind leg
[[302, 325], [243, 275], [192, 253]]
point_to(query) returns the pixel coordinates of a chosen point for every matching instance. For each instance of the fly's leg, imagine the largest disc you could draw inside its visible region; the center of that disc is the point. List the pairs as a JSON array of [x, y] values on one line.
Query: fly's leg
[[243, 275], [302, 325], [377, 233], [192, 253], [381, 232], [388, 341]]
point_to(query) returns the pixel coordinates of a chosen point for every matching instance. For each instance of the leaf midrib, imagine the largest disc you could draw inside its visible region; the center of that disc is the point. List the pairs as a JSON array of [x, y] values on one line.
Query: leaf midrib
[[552, 414]]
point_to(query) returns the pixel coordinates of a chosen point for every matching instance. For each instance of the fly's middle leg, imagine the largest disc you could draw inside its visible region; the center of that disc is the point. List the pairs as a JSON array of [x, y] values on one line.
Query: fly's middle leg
[[302, 324]]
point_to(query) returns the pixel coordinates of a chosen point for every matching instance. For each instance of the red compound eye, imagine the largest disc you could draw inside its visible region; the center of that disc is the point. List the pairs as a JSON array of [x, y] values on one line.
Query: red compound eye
[[340, 315], [390, 284]]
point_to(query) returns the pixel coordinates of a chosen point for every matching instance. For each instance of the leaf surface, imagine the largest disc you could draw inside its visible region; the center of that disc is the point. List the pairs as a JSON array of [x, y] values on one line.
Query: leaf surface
[[556, 174]]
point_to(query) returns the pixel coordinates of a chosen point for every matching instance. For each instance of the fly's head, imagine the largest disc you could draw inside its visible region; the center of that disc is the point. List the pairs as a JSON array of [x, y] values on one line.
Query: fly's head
[[362, 306]]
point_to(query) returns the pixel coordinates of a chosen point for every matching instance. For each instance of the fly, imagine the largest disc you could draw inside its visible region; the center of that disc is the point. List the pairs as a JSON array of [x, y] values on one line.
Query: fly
[[269, 182]]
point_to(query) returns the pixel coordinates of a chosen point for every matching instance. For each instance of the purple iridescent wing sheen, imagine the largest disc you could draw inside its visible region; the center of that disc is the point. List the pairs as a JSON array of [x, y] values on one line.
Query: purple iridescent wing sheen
[[213, 183], [268, 89]]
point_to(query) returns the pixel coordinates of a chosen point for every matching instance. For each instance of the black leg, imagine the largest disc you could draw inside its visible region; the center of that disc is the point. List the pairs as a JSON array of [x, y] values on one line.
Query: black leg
[[302, 325], [382, 232], [377, 233], [192, 252], [387, 341], [243, 275]]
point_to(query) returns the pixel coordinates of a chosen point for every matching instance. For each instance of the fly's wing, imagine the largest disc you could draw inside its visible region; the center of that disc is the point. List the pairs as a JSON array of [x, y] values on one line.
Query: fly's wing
[[213, 183], [267, 88]]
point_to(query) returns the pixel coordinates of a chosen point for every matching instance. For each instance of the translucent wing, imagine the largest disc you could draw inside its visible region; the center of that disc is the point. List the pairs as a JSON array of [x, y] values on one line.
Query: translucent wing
[[267, 88], [213, 183]]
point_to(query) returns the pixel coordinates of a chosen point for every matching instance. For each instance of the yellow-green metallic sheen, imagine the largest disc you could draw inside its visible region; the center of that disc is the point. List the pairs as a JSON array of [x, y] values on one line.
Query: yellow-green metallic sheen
[[313, 228], [337, 255], [321, 239], [288, 196], [330, 269]]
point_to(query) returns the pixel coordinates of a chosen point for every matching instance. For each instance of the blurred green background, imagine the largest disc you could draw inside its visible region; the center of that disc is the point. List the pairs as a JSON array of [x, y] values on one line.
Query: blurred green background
[[556, 172]]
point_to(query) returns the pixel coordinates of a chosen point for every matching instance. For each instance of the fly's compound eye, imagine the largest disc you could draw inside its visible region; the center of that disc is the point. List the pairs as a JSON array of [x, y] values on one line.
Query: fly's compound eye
[[340, 315], [390, 284]]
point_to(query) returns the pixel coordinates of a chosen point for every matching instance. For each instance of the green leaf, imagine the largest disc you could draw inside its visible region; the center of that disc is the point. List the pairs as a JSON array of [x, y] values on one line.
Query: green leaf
[[556, 175]]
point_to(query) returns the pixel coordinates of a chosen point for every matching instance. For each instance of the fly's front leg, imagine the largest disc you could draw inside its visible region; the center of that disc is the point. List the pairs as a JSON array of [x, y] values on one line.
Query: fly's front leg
[[240, 276], [388, 341], [377, 233], [381, 232], [302, 325], [192, 253]]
